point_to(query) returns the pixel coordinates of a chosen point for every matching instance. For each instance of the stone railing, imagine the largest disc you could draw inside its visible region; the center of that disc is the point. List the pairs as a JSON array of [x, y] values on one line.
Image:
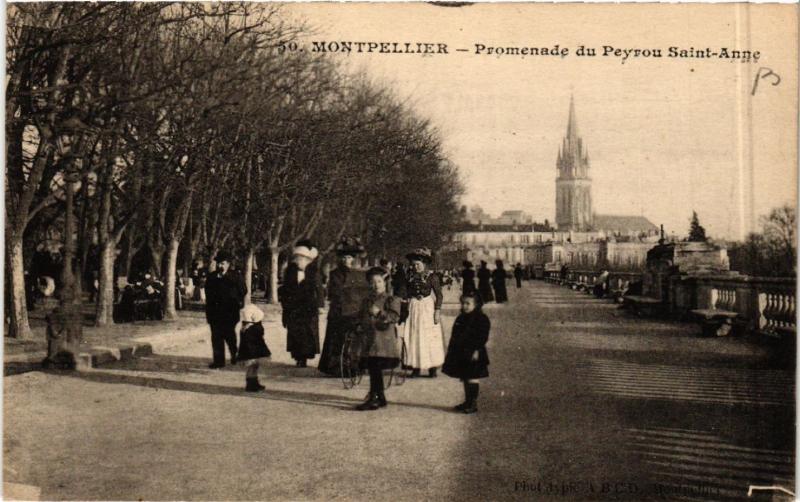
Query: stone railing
[[763, 304]]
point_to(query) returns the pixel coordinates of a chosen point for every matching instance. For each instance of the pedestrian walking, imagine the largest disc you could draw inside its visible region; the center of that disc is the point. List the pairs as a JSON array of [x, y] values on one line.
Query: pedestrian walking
[[252, 347], [378, 318], [346, 290], [301, 299], [422, 330], [225, 292], [499, 277], [467, 358], [485, 283], [519, 273], [199, 275], [467, 278]]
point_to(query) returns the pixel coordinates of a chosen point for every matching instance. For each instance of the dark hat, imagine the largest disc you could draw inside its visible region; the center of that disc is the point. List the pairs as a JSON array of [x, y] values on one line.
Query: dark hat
[[376, 271], [422, 254], [467, 264], [223, 256], [349, 246]]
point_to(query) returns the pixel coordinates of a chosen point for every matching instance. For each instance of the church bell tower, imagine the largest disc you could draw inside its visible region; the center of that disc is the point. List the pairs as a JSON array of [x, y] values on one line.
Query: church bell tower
[[573, 185]]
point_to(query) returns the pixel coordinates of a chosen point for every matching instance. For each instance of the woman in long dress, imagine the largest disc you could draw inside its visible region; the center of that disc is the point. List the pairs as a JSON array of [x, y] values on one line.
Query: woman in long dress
[[422, 330], [467, 279], [346, 290], [499, 282], [485, 283], [301, 298]]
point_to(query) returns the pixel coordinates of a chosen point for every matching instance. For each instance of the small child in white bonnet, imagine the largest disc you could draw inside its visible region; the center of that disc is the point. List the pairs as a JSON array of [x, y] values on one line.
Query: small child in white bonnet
[[252, 347]]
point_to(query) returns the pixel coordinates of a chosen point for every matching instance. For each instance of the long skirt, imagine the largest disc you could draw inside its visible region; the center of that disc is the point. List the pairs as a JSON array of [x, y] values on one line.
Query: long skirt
[[335, 332], [424, 339], [302, 337], [485, 290], [500, 293]]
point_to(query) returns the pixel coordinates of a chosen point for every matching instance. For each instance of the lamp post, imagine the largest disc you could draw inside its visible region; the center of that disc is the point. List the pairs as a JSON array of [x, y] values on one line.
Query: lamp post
[[64, 325]]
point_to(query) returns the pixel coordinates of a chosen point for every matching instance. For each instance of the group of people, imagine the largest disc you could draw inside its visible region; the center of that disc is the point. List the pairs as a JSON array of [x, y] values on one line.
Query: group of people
[[394, 319], [491, 283]]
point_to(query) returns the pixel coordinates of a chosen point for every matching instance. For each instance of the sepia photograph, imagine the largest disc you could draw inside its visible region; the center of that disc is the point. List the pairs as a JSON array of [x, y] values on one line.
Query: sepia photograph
[[411, 251]]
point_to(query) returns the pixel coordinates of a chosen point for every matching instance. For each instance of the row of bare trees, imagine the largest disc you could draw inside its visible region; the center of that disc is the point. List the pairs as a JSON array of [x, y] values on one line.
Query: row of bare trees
[[176, 130], [772, 251]]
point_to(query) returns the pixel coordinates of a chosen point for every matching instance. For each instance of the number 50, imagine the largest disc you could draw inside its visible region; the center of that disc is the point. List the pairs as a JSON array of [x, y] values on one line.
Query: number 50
[[287, 46]]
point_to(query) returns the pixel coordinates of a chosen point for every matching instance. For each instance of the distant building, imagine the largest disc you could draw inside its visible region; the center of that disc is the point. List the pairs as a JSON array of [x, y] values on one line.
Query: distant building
[[476, 216], [580, 238]]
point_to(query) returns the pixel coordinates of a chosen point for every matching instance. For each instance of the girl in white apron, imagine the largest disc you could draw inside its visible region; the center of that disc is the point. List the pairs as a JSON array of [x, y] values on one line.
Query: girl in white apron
[[422, 329]]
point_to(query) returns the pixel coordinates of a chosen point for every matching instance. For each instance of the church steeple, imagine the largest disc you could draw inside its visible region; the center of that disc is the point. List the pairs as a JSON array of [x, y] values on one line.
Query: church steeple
[[573, 159], [573, 185], [572, 124]]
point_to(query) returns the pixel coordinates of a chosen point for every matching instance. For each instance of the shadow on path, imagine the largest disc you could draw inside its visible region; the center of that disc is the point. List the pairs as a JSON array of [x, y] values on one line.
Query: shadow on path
[[111, 374], [581, 421]]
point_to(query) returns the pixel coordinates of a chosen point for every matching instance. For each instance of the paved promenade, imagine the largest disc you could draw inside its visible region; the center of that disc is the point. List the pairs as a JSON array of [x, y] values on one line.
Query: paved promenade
[[584, 402]]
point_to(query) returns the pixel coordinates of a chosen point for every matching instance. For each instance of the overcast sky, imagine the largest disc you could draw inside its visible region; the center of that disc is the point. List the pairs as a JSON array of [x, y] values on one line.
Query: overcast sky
[[665, 135]]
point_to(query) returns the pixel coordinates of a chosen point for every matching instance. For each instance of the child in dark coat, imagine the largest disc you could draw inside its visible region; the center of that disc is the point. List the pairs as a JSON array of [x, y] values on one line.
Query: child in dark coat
[[467, 358], [378, 336], [252, 347]]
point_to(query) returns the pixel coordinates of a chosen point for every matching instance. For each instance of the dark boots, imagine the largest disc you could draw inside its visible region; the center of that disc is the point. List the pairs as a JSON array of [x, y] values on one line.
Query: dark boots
[[472, 399], [375, 399], [460, 407], [253, 385], [372, 402], [414, 373], [432, 373]]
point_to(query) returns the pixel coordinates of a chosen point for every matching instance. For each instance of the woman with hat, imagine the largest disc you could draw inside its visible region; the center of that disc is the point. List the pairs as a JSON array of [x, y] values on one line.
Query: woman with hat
[[485, 283], [499, 277], [301, 297], [252, 347], [467, 278], [377, 332], [422, 330], [346, 290]]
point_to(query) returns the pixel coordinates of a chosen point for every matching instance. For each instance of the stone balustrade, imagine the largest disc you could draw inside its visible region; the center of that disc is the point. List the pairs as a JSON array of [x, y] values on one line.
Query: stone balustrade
[[764, 305]]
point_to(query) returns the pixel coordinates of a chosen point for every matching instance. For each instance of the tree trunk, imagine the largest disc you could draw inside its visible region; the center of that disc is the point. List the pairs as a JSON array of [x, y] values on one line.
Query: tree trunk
[[157, 256], [105, 294], [274, 269], [170, 282], [248, 275], [128, 253], [19, 327]]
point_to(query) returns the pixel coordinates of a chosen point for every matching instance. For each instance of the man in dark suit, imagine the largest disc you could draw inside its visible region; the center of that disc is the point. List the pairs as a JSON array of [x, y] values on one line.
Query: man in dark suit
[[225, 292]]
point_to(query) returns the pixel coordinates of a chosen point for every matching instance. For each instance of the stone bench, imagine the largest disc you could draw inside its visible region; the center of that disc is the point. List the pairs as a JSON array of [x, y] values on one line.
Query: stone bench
[[715, 322], [643, 305]]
